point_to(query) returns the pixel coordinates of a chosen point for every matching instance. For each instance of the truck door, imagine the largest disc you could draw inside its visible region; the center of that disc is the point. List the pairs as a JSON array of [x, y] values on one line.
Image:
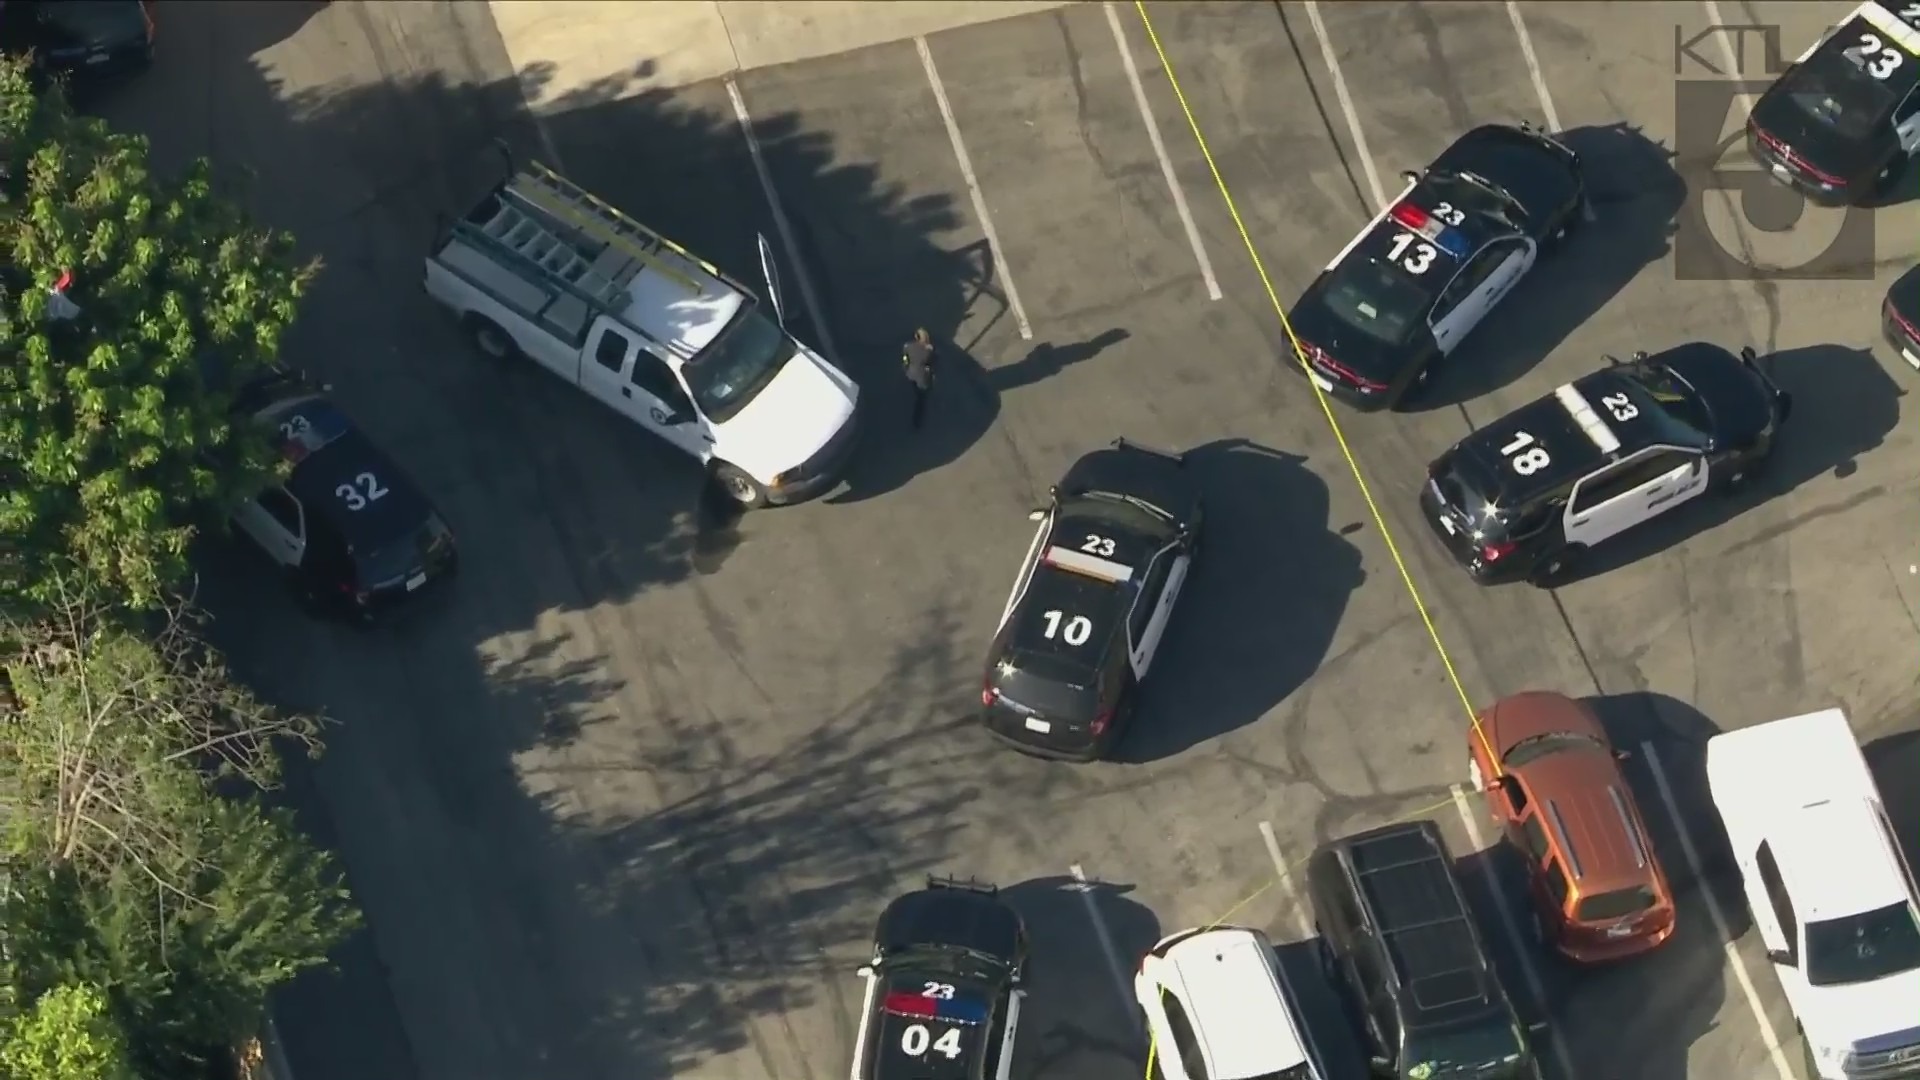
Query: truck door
[[638, 385]]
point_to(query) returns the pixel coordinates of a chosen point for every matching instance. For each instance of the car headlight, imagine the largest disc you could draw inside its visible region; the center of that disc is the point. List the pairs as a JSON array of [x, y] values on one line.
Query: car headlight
[[1828, 1056]]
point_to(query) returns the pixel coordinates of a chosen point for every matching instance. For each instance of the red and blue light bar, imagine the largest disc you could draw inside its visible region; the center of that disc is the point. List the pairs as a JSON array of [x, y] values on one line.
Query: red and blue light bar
[[957, 1010], [1431, 229]]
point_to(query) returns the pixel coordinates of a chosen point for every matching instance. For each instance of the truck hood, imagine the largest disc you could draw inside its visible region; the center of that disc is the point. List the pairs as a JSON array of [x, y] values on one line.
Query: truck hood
[[1856, 1016], [792, 417]]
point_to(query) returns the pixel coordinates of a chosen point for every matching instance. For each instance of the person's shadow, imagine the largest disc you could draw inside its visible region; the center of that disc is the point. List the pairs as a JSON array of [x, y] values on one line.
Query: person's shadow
[[961, 407]]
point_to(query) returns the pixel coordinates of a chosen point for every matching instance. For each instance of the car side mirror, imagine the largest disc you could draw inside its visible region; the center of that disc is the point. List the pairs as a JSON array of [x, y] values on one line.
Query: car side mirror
[[1495, 783], [1037, 515], [1748, 356], [1781, 957], [1622, 755], [1381, 1063], [865, 971], [1538, 1027], [1409, 176], [1612, 361]]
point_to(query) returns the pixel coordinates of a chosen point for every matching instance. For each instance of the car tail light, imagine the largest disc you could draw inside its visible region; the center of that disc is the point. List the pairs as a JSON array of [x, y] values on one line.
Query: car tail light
[[1101, 720], [1347, 374], [987, 693], [1904, 324], [1495, 552]]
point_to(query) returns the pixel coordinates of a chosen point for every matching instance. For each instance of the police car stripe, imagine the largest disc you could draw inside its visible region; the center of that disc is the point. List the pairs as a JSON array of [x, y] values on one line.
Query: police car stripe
[[1590, 422], [1891, 24], [1091, 565]]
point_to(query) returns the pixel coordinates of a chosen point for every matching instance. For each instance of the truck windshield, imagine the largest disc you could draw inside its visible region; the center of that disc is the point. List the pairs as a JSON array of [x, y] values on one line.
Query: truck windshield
[[737, 366], [1862, 948]]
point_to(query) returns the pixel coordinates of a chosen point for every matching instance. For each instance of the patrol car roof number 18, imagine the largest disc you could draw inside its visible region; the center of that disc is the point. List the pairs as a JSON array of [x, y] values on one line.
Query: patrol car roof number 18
[[363, 489], [1525, 454], [1875, 56]]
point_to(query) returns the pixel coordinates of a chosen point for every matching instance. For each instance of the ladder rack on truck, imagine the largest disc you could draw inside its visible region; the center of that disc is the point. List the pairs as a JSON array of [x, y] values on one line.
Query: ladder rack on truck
[[583, 249]]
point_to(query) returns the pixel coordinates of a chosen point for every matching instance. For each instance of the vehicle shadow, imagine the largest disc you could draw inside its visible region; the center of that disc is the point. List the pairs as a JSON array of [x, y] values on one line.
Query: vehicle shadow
[[1083, 935], [1668, 998], [1844, 405], [1895, 761], [1325, 1011], [961, 407], [1260, 609], [1636, 195]]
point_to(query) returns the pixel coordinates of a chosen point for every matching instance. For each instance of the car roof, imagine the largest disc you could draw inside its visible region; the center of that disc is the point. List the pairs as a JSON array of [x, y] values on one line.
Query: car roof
[[330, 452], [1125, 468], [1452, 246], [1074, 584], [1405, 876], [1836, 861], [903, 1004], [1227, 980]]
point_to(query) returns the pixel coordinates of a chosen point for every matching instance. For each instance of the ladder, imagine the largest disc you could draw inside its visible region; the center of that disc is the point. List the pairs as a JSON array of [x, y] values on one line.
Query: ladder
[[528, 238], [565, 201]]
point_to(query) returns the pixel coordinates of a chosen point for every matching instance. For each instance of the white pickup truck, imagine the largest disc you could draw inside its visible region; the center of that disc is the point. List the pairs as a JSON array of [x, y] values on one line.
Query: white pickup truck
[[1832, 897], [544, 270]]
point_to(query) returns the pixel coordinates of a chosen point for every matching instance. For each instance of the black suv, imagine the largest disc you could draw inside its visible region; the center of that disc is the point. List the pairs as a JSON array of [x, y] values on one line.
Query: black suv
[[1396, 935]]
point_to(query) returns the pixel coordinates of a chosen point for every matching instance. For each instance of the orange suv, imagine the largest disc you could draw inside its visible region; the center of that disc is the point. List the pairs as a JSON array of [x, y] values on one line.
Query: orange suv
[[1598, 891]]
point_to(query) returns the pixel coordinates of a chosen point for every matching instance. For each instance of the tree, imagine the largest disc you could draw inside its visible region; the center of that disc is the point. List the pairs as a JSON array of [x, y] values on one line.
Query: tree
[[66, 1035], [144, 859], [133, 306]]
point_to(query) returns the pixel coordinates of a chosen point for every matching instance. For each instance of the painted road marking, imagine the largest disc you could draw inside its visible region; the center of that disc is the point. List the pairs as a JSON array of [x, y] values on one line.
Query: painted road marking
[[973, 189], [1085, 887], [1160, 151], [1286, 882], [783, 225], [1346, 106], [1523, 943], [1714, 912]]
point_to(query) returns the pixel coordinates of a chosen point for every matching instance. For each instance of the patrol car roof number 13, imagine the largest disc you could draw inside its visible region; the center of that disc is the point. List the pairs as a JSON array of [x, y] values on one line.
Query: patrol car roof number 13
[[1425, 226]]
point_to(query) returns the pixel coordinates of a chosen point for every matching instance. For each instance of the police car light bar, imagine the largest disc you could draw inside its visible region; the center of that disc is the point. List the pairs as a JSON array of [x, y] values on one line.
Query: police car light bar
[[1429, 228], [1092, 566]]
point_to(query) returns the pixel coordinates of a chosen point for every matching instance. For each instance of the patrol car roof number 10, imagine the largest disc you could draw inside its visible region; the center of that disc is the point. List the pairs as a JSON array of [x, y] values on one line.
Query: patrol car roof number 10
[[1079, 628], [364, 489], [1525, 454], [1874, 55]]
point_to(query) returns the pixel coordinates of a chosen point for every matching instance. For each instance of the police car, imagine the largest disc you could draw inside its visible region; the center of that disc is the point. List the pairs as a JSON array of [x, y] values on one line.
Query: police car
[[1527, 495], [1900, 316], [1417, 280], [943, 992], [1840, 123], [348, 529], [1091, 604]]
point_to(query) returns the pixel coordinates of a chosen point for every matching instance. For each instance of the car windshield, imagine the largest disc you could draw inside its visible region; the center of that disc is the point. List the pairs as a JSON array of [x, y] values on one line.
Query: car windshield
[[1553, 742], [1862, 948], [1677, 400], [738, 365], [1048, 685], [1480, 1050], [1373, 298], [1837, 92], [1618, 904]]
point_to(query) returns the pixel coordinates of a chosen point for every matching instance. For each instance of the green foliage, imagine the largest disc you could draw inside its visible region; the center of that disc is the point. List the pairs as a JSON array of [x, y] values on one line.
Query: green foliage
[[66, 1035], [115, 434]]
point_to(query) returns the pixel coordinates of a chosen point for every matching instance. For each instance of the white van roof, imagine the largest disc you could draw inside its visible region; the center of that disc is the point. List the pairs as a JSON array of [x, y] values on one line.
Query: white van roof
[[676, 314], [1228, 981]]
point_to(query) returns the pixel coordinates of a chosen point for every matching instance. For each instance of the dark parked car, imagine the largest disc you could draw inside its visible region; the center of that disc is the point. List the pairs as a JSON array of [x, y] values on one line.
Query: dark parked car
[[85, 43]]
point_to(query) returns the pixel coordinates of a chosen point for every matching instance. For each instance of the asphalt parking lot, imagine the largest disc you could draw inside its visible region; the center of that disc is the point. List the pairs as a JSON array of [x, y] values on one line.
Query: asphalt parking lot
[[627, 802]]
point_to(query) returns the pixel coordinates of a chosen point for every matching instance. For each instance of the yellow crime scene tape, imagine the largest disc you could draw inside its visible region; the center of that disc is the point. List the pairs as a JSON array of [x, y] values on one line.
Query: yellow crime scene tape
[[1353, 464]]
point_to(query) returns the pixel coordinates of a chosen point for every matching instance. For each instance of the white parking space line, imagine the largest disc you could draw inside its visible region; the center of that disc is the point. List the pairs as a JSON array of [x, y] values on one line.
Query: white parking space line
[[1726, 46], [1533, 66], [1286, 882], [1719, 917], [1346, 105], [1085, 887], [785, 227], [1160, 151], [1522, 942], [973, 189]]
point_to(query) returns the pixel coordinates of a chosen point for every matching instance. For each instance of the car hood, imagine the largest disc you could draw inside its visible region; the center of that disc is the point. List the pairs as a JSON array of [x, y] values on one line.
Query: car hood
[[955, 918], [791, 418], [1856, 1014], [1538, 176]]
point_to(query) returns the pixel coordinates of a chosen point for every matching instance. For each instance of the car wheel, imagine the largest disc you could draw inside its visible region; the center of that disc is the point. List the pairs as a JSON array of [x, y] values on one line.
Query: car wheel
[[1559, 567], [493, 342], [739, 488]]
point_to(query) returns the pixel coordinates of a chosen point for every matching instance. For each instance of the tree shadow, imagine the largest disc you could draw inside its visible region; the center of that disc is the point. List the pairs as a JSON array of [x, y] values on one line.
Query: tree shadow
[[1636, 196], [1844, 405], [1895, 761], [573, 857], [962, 406], [1251, 628]]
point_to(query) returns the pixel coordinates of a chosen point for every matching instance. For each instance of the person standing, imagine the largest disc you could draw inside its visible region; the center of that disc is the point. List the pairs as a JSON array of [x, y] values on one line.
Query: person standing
[[917, 357]]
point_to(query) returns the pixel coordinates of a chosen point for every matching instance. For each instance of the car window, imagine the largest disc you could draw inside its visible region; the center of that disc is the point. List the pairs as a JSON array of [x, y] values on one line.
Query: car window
[[1677, 401], [1777, 898], [1536, 837], [1461, 1048], [1377, 300], [1625, 477], [612, 351], [1535, 747], [1515, 793], [1557, 885], [738, 365], [1617, 904], [1148, 598], [1836, 91], [1862, 948], [1908, 109], [283, 508], [1183, 1038], [650, 373]]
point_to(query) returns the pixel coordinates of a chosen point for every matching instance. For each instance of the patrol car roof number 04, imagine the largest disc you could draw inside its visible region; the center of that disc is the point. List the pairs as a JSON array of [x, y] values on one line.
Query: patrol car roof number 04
[[362, 490], [1879, 59], [916, 1040], [1525, 454]]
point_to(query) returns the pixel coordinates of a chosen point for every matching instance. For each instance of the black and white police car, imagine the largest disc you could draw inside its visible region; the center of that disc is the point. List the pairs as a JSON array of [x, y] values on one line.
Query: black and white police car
[[1527, 495], [348, 529], [944, 988], [1091, 604], [1840, 124], [1900, 316], [1416, 281]]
